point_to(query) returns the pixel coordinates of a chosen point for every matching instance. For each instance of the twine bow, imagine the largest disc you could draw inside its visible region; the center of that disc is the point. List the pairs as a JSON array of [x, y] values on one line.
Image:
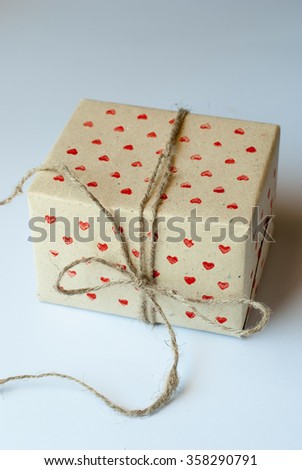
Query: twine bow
[[140, 277]]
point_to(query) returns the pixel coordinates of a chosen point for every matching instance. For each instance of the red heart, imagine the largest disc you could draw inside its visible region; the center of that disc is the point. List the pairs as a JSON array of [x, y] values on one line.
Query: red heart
[[251, 149], [242, 178], [188, 243], [206, 173], [196, 157], [239, 131], [84, 225], [196, 200], [155, 274], [88, 124], [221, 319], [135, 253], [115, 174], [119, 129], [159, 151], [223, 285], [111, 111], [184, 139], [172, 259], [164, 196], [142, 116], [123, 301], [67, 240], [91, 295], [230, 161], [53, 253], [104, 279], [219, 189], [120, 229], [232, 206], [224, 249], [128, 147], [59, 178], [126, 191], [135, 164], [102, 246], [96, 141], [208, 265], [217, 144], [151, 135], [207, 297], [189, 280], [72, 151], [171, 121], [71, 273], [205, 126], [122, 267], [190, 314], [173, 169], [92, 184], [50, 219], [80, 168], [104, 158], [185, 185]]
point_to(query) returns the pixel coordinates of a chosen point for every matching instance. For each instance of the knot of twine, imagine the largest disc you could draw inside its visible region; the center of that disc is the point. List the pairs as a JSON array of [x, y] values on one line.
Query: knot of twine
[[140, 277]]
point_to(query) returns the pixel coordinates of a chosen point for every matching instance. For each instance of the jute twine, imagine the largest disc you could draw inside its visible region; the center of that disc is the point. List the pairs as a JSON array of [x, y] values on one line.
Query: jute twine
[[141, 277]]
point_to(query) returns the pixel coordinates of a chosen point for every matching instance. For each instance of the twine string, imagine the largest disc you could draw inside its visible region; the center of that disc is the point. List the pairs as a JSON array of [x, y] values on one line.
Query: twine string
[[141, 277]]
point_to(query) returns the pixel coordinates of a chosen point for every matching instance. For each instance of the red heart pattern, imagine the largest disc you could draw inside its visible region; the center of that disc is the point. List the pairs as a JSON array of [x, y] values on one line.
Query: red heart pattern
[[172, 259], [224, 249], [84, 225], [119, 129], [223, 285], [68, 240], [206, 173], [189, 280], [104, 158], [208, 265], [76, 152], [142, 116], [91, 295], [50, 219], [72, 151], [191, 314], [59, 178], [54, 253], [221, 319], [188, 243], [127, 191], [196, 156], [102, 246]]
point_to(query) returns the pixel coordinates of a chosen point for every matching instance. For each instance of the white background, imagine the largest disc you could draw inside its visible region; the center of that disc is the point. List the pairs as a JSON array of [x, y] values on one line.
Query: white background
[[231, 58]]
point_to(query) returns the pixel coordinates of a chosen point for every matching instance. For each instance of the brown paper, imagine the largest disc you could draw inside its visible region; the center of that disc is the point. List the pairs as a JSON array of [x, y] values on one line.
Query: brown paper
[[222, 168]]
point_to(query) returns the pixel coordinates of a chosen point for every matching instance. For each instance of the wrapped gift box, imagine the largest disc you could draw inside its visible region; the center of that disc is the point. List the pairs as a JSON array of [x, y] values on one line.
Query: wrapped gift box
[[223, 173]]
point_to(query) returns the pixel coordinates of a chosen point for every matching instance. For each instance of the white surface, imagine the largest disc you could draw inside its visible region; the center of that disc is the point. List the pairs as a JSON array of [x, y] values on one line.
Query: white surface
[[237, 58]]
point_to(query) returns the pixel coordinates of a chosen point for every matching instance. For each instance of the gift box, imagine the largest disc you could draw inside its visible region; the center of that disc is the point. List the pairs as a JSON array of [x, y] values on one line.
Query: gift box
[[211, 237]]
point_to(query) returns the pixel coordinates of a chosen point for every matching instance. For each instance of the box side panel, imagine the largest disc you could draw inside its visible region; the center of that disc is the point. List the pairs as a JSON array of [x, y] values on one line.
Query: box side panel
[[263, 223]]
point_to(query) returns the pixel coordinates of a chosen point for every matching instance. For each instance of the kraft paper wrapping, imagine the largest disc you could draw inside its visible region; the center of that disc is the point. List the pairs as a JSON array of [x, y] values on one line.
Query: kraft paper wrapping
[[222, 168]]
